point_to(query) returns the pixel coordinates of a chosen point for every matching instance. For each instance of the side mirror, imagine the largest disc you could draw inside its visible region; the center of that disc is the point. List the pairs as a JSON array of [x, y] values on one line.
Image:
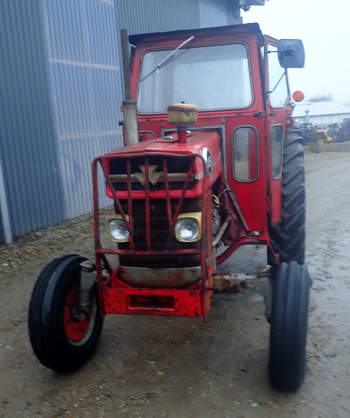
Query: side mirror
[[291, 53]]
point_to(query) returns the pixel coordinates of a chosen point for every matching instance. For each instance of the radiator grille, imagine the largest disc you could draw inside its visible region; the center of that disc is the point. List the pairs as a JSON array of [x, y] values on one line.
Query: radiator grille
[[176, 173], [162, 237]]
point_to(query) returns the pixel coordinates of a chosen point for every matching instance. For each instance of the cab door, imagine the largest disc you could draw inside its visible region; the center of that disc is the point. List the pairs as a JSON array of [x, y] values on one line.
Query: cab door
[[277, 111]]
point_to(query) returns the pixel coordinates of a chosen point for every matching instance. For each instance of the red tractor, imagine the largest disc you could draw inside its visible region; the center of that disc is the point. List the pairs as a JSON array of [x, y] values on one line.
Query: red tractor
[[199, 181]]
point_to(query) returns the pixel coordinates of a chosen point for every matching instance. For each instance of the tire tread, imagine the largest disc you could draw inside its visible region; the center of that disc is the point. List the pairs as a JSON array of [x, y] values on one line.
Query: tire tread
[[288, 236], [289, 326]]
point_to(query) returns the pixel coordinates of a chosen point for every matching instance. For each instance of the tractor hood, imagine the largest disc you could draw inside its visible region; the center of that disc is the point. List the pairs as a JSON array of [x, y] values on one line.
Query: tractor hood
[[196, 142], [202, 148]]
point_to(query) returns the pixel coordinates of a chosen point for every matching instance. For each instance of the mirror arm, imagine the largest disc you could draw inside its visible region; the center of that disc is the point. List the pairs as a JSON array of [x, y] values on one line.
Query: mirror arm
[[278, 82]]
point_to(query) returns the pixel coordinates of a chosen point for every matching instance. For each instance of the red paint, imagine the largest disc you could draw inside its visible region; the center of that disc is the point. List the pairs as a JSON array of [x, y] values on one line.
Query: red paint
[[137, 301], [116, 296], [147, 211], [253, 155], [75, 330], [182, 136], [258, 199], [194, 146]]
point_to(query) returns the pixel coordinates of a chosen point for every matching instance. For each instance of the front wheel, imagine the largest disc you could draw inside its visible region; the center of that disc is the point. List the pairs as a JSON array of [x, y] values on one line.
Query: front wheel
[[290, 300], [63, 338]]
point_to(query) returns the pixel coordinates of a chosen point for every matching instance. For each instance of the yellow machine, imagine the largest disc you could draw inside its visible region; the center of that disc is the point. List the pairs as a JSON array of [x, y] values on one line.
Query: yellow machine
[[322, 136]]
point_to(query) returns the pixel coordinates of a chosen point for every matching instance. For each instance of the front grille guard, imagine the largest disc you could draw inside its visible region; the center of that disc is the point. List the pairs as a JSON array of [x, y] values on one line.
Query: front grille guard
[[205, 250]]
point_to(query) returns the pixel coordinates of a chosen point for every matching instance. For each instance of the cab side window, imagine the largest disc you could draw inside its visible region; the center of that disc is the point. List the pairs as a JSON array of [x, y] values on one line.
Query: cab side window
[[277, 80], [276, 135]]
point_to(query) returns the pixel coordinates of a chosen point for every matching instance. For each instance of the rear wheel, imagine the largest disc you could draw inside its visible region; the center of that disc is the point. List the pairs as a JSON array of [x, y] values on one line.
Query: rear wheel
[[288, 236], [63, 338], [290, 299]]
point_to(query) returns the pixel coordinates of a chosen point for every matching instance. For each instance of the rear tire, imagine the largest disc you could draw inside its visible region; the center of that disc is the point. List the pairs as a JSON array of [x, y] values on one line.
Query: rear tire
[[60, 339], [288, 236], [291, 288]]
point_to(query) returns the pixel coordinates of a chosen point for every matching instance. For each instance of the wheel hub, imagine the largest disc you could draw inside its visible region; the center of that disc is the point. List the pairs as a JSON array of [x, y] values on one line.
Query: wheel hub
[[78, 324]]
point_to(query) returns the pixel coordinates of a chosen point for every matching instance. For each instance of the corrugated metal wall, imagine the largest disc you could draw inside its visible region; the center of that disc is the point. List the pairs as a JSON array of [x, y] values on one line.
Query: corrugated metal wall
[[60, 105], [27, 137], [61, 93], [84, 73], [140, 16], [217, 13], [2, 233]]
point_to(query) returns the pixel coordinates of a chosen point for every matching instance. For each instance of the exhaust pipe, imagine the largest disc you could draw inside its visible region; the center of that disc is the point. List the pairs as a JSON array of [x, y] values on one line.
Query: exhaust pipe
[[129, 105]]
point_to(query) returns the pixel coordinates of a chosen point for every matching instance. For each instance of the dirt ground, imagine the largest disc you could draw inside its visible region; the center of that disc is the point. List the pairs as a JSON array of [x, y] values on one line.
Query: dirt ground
[[159, 367]]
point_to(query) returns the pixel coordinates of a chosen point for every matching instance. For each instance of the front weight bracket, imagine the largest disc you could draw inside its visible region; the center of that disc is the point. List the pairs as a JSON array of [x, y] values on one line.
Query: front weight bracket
[[87, 281]]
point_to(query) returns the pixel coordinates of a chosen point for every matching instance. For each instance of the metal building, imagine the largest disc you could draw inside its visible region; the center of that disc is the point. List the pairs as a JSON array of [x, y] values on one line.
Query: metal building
[[321, 113], [61, 92]]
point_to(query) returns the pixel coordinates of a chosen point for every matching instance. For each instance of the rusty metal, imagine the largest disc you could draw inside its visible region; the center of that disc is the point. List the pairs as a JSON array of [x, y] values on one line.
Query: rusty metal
[[221, 231], [238, 282], [168, 203], [147, 206], [87, 281], [172, 177], [186, 302], [177, 210], [129, 105], [130, 212], [88, 266], [176, 278], [229, 283], [263, 271], [126, 65], [207, 264], [236, 206], [186, 251], [276, 257]]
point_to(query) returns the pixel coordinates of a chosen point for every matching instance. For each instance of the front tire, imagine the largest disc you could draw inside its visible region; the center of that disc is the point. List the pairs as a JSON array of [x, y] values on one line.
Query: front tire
[[61, 339], [290, 300]]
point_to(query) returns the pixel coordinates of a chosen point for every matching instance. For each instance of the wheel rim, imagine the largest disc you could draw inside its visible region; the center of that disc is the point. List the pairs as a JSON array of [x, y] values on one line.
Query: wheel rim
[[78, 331]]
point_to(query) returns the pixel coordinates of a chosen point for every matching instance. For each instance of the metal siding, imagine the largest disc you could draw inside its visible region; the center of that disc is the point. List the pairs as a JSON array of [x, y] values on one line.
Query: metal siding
[[27, 146], [84, 74], [218, 13], [322, 119], [140, 16], [2, 233], [6, 234], [61, 95]]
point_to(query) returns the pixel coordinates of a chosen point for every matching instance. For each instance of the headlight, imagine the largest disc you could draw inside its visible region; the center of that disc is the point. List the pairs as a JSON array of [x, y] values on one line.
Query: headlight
[[188, 227], [118, 229]]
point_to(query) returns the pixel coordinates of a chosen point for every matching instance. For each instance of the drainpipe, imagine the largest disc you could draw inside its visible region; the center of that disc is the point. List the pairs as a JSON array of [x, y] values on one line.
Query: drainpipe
[[4, 212], [129, 105]]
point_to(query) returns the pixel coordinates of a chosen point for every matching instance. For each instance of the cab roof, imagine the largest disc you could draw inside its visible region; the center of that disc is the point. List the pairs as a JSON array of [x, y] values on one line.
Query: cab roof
[[222, 30]]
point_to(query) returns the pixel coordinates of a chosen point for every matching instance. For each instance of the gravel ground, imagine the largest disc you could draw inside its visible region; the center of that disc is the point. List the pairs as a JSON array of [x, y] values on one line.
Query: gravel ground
[[165, 367]]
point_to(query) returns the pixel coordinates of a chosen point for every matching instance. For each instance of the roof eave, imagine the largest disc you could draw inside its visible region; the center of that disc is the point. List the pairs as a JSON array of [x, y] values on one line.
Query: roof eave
[[248, 27]]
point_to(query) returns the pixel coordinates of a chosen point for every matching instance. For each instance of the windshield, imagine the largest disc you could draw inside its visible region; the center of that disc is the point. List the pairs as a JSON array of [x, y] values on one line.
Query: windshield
[[211, 77]]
